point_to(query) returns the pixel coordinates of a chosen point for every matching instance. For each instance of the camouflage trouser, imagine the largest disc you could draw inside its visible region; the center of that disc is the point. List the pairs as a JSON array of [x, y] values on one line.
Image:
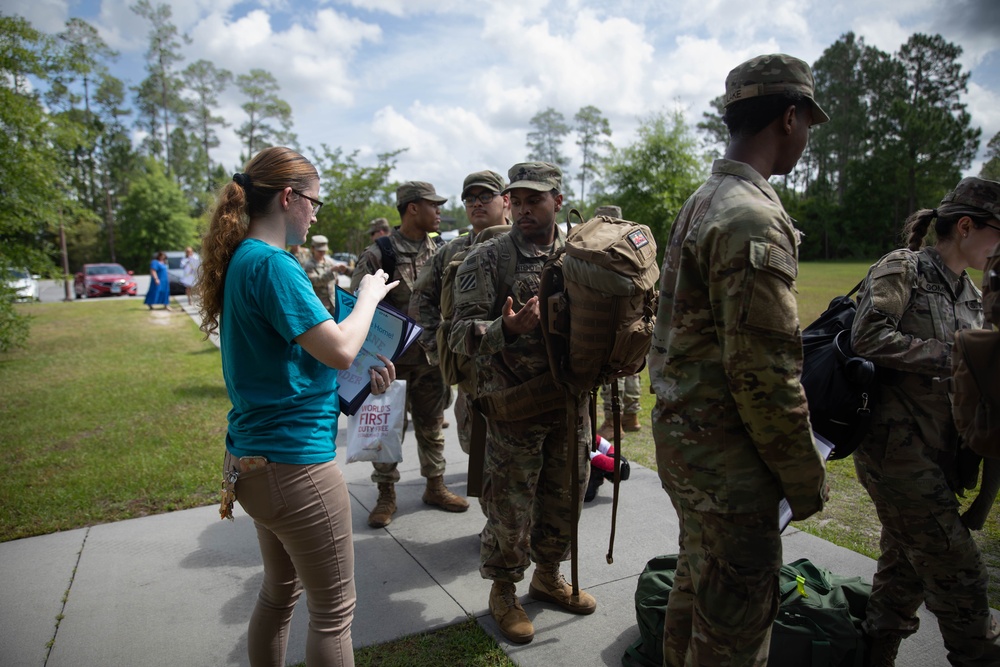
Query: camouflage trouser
[[928, 557], [464, 419], [725, 593], [628, 394], [427, 396], [527, 495]]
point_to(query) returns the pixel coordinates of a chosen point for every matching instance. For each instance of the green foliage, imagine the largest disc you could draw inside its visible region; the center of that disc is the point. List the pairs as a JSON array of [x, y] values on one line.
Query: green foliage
[[263, 105], [592, 132], [353, 194], [651, 178], [546, 137], [991, 168], [153, 216]]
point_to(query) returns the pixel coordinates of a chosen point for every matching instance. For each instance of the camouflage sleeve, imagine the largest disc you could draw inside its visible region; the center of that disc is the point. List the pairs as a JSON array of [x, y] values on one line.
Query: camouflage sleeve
[[751, 266], [474, 329], [884, 299], [369, 262], [425, 305]]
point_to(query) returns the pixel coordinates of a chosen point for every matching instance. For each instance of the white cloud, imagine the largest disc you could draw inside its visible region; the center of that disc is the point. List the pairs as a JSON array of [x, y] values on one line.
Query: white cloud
[[45, 15]]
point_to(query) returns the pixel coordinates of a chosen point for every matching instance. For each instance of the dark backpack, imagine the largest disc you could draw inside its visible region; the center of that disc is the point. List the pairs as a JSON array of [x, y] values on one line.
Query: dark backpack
[[818, 622], [839, 385], [389, 253]]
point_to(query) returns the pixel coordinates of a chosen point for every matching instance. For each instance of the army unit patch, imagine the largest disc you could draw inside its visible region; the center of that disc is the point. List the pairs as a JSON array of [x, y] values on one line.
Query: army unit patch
[[638, 239], [466, 281]]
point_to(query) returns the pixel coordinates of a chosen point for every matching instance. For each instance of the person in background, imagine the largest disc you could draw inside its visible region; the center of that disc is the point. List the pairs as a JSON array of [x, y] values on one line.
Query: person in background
[[528, 497], [909, 307], [727, 333], [629, 387], [378, 228], [158, 293], [300, 252], [405, 251], [322, 270], [486, 207], [281, 351], [189, 265]]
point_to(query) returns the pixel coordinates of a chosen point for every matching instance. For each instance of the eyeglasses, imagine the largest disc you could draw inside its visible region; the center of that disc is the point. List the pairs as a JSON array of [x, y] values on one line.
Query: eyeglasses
[[317, 204], [485, 197], [992, 226]]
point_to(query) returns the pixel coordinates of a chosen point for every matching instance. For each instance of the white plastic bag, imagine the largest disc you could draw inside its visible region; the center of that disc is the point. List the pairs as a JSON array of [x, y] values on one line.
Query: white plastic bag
[[375, 431]]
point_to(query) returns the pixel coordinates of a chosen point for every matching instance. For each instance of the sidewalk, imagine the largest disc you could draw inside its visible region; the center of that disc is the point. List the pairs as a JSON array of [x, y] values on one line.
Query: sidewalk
[[177, 589]]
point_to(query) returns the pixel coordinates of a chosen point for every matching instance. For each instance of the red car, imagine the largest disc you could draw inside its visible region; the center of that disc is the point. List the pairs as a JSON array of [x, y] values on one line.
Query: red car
[[104, 280]]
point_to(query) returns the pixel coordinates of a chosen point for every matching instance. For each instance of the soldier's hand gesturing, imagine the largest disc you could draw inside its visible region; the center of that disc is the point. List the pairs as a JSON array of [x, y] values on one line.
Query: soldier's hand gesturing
[[523, 320]]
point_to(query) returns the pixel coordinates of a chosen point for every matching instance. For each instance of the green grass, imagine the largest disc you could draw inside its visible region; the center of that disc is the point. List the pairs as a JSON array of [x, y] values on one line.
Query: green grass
[[849, 518], [110, 412]]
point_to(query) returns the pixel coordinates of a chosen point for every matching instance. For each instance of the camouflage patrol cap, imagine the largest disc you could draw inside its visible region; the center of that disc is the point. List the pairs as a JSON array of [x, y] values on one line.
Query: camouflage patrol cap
[[416, 190], [541, 176], [320, 242], [490, 180], [378, 225], [771, 75], [976, 192], [609, 210]]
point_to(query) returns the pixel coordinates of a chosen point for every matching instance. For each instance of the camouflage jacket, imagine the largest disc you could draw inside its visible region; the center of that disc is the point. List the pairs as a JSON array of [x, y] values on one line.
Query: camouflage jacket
[[477, 326], [425, 302], [410, 258], [323, 276], [731, 418], [909, 308]]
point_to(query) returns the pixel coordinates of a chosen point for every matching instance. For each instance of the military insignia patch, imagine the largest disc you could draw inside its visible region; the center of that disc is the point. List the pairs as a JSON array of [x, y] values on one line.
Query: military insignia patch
[[466, 281], [638, 239]]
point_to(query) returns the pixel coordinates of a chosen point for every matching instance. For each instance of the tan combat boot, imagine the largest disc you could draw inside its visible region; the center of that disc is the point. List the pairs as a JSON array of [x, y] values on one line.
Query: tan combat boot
[[438, 494], [548, 585], [607, 430], [507, 611], [385, 507], [630, 422]]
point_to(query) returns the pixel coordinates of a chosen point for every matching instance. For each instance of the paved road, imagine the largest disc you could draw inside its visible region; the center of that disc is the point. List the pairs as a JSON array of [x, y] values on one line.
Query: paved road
[[56, 290]]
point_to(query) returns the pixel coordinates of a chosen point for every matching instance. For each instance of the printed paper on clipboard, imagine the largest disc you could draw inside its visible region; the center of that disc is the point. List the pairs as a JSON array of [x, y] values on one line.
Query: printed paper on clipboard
[[825, 448], [391, 334]]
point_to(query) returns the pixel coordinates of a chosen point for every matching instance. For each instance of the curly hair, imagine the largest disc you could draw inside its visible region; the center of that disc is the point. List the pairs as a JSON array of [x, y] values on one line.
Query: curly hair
[[250, 194]]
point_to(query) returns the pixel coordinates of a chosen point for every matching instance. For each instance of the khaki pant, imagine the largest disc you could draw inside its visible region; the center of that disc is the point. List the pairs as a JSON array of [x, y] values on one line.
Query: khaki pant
[[303, 519]]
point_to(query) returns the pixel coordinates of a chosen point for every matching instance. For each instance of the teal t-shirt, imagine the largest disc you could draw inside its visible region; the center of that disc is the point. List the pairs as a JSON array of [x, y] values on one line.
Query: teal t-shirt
[[285, 404]]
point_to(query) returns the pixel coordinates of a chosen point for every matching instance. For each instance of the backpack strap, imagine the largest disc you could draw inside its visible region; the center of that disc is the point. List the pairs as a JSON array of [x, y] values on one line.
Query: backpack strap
[[388, 255], [506, 272]]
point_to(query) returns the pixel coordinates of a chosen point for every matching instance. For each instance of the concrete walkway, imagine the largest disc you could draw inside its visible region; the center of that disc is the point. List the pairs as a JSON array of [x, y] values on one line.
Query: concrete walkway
[[177, 589]]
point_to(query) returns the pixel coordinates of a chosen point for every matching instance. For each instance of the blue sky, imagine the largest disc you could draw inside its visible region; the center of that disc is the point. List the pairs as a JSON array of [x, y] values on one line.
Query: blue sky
[[456, 82]]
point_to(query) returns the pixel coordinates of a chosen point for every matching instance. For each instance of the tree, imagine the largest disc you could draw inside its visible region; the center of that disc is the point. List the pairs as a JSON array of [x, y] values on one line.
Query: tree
[[153, 216], [991, 168], [651, 178], [353, 194], [159, 93], [205, 81], [592, 130], [716, 133], [545, 140], [263, 105]]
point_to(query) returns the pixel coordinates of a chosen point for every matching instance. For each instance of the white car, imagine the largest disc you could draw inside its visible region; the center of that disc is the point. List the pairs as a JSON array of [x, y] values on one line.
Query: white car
[[24, 284]]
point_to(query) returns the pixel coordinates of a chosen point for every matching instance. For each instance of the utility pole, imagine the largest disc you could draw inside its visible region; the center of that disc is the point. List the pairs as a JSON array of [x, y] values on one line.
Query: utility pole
[[65, 259], [111, 223]]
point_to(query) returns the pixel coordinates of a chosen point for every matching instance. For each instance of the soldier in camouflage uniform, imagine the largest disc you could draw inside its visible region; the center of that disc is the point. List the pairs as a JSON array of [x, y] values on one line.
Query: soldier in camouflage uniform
[[426, 393], [486, 207], [528, 497], [731, 422], [911, 304], [322, 270]]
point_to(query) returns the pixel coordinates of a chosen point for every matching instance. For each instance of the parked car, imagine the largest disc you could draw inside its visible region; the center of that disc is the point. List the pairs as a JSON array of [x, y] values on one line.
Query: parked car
[[105, 279], [174, 258], [24, 284]]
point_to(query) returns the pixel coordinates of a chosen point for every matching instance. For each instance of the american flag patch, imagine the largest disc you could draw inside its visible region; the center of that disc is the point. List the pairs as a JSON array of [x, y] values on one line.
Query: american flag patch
[[466, 281], [638, 239]]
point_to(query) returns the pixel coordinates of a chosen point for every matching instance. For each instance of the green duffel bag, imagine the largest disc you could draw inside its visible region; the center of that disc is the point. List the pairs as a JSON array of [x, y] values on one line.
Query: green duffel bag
[[818, 623]]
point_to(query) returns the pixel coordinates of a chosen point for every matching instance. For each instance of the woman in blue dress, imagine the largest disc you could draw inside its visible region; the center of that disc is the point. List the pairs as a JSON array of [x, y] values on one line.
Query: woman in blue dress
[[158, 293], [281, 353]]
